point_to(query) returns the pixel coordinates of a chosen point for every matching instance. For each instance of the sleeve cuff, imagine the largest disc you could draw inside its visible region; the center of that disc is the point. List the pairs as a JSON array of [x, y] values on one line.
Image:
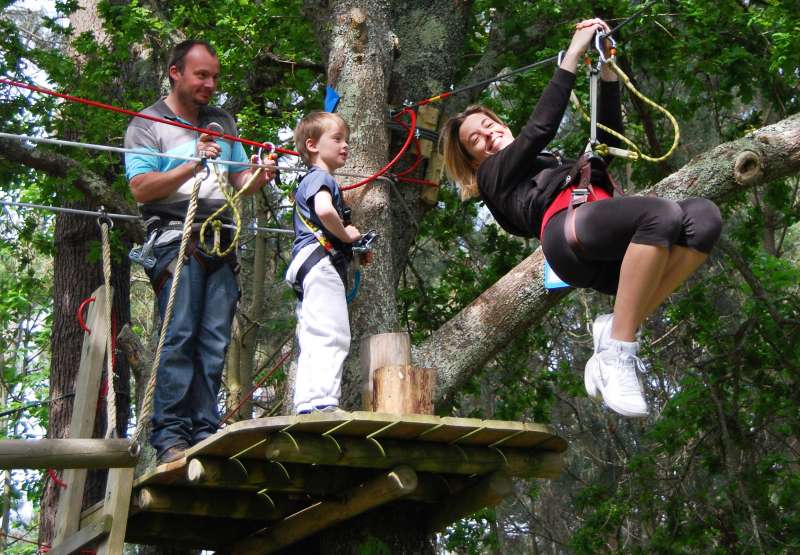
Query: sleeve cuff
[[564, 77]]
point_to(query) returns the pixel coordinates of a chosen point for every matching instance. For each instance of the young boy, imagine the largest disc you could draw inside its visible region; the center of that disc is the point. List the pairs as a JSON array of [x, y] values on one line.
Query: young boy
[[319, 263]]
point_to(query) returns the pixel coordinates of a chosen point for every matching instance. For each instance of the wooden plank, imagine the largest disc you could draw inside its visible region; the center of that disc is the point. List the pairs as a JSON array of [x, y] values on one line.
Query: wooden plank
[[393, 485], [382, 349], [423, 457], [116, 505], [82, 537], [87, 387], [487, 492], [434, 172], [241, 435], [65, 453], [428, 118]]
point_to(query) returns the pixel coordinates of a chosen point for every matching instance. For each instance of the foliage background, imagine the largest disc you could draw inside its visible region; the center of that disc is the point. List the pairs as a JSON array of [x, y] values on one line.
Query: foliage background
[[715, 467]]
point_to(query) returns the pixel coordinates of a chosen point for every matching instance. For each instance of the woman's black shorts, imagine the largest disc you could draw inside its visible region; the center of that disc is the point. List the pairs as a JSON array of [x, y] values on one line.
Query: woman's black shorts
[[605, 228]]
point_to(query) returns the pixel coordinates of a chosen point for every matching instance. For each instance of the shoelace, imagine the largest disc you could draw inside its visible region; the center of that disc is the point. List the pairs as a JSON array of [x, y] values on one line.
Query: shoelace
[[626, 367]]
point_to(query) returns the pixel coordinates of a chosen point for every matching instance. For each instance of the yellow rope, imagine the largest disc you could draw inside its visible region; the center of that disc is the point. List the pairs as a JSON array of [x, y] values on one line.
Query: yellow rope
[[635, 154], [111, 396], [232, 202]]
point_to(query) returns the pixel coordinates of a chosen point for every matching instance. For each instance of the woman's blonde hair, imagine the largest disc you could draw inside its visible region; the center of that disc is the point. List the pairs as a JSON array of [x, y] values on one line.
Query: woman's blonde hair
[[458, 163]]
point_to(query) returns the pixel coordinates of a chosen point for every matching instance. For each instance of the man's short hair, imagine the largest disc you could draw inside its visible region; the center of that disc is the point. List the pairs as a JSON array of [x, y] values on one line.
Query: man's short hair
[[312, 127], [178, 56]]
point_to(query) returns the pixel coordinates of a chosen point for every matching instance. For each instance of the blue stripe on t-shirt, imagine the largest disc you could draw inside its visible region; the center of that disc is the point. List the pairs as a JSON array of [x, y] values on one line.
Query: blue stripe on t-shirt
[[136, 164]]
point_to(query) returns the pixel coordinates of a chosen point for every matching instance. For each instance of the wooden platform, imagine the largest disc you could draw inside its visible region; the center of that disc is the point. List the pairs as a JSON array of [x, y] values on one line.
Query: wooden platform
[[259, 485]]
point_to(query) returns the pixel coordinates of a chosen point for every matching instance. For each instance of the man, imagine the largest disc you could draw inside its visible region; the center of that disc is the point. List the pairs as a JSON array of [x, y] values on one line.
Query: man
[[189, 376]]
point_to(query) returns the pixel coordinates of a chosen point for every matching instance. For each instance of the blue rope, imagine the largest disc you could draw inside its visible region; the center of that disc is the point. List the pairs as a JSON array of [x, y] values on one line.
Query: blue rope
[[356, 284]]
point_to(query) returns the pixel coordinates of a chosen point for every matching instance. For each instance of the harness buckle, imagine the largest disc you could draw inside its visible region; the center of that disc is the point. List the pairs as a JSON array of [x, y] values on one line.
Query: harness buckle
[[580, 195], [144, 255]]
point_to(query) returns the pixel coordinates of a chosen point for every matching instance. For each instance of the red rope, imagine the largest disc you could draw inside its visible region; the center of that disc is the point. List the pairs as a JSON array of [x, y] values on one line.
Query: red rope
[[413, 124], [417, 160], [132, 113], [268, 146], [256, 386], [56, 480], [79, 314], [42, 547]]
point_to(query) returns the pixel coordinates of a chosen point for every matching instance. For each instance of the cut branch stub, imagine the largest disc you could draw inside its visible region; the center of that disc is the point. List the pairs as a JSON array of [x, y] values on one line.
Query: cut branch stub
[[747, 168]]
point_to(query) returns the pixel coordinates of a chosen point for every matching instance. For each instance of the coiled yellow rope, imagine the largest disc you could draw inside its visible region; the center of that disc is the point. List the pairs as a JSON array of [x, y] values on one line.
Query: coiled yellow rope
[[232, 202], [636, 153]]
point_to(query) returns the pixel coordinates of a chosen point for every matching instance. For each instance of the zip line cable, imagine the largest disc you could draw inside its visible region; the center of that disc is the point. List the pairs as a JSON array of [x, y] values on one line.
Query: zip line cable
[[121, 150], [465, 88], [126, 217], [132, 113]]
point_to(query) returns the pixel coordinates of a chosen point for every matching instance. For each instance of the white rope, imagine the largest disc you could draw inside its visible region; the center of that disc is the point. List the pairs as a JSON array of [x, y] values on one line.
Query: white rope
[[120, 150], [111, 395], [129, 217]]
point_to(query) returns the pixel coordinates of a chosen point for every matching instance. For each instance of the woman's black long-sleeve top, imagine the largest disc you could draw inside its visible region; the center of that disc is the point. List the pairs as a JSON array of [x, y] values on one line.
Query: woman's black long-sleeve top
[[519, 182]]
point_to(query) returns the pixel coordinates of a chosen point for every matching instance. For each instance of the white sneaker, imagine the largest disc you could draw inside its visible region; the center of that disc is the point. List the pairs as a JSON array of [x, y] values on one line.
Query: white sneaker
[[612, 374], [601, 331]]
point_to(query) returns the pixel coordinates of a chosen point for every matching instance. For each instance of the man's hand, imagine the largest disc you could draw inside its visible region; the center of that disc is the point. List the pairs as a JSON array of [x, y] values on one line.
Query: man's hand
[[207, 147], [269, 168]]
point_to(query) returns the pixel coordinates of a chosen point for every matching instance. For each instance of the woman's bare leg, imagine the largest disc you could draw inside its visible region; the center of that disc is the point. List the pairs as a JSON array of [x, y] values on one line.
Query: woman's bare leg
[[642, 271], [682, 263]]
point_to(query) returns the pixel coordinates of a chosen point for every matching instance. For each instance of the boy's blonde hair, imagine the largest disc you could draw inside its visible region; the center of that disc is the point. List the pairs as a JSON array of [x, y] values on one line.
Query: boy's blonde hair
[[312, 126], [458, 163]]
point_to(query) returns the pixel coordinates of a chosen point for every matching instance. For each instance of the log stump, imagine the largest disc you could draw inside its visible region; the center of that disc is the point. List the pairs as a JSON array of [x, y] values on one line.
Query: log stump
[[403, 389]]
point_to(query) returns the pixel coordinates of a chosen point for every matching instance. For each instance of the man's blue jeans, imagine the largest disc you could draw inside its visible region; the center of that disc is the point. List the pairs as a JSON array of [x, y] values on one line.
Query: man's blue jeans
[[190, 373]]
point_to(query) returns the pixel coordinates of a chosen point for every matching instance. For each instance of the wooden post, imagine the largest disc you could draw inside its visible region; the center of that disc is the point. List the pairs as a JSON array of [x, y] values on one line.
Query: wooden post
[[430, 195], [428, 118], [383, 349], [403, 390], [117, 503], [87, 388], [246, 505], [385, 488], [488, 492], [65, 453], [422, 456]]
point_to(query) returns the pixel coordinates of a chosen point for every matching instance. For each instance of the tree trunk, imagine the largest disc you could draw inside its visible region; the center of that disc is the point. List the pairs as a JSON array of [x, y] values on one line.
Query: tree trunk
[[372, 47]]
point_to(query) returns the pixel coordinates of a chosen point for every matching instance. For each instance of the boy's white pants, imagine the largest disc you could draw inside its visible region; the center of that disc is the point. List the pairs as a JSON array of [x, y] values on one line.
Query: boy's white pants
[[323, 333]]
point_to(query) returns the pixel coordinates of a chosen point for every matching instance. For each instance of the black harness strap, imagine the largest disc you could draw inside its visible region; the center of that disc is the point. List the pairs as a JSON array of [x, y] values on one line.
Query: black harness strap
[[584, 171], [339, 263]]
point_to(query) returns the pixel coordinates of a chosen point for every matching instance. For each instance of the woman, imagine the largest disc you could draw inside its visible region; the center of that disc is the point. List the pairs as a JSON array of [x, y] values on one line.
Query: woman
[[639, 248]]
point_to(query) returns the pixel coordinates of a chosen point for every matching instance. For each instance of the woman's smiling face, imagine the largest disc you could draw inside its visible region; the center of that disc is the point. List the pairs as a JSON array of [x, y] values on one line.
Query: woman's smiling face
[[482, 136]]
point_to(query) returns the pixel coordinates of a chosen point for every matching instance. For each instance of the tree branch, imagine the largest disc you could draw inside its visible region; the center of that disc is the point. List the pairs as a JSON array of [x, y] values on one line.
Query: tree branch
[[96, 189]]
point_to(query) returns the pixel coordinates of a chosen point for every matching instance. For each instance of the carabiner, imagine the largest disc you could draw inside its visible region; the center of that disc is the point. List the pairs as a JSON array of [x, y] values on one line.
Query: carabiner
[[598, 45], [271, 149], [104, 219], [205, 166]]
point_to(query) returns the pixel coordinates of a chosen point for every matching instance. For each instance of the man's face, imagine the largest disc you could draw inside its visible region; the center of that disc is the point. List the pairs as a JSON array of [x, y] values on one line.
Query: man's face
[[196, 84]]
